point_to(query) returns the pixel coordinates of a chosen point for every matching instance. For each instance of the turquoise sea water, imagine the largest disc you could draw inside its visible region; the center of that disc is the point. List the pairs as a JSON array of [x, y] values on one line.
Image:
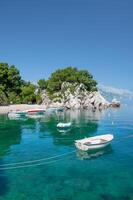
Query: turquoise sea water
[[39, 162]]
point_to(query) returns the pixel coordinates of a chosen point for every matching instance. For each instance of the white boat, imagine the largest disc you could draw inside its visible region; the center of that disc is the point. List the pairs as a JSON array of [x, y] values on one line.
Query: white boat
[[17, 113], [94, 142], [13, 115], [35, 111], [60, 109], [64, 125]]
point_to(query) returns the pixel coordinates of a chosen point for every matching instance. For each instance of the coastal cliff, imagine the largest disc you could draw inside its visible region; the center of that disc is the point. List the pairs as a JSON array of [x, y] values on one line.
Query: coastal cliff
[[74, 96]]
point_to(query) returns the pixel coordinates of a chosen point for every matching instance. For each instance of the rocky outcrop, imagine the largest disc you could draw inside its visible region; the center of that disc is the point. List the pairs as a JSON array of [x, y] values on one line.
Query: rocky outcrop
[[75, 96], [115, 103]]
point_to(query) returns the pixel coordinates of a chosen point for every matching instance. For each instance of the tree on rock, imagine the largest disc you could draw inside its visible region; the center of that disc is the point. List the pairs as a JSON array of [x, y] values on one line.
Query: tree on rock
[[71, 75], [42, 83]]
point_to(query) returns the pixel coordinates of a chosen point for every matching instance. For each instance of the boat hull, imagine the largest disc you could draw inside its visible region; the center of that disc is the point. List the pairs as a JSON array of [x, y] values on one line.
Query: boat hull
[[95, 142], [91, 147], [35, 111], [54, 110], [64, 125], [17, 114]]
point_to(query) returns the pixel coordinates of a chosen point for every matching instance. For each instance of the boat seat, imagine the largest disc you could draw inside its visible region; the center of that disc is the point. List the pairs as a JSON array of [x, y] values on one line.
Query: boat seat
[[95, 142]]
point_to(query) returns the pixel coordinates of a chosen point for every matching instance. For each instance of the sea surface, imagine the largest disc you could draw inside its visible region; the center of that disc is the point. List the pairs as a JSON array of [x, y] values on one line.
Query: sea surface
[[40, 162]]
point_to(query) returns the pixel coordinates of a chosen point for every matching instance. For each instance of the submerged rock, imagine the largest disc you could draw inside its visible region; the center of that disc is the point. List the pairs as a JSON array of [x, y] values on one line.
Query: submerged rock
[[75, 96]]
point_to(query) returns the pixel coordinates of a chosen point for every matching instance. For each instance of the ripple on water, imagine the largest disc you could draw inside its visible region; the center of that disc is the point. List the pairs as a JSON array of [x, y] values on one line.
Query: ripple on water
[[106, 174]]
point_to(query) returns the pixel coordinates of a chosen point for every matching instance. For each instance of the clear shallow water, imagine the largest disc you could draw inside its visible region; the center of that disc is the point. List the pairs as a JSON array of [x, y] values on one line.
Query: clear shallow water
[[49, 166]]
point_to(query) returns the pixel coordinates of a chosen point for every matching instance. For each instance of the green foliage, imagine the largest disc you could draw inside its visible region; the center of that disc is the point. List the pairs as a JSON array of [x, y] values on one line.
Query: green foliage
[[15, 90], [10, 83], [71, 75], [10, 79], [28, 93], [3, 98], [13, 98], [72, 89], [14, 80], [38, 99], [42, 83], [4, 75]]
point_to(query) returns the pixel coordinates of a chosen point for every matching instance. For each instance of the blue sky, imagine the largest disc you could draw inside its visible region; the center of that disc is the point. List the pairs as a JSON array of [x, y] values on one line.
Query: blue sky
[[39, 36]]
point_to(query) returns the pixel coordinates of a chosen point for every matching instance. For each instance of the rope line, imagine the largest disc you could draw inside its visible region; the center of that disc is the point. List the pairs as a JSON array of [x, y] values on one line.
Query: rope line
[[43, 161], [38, 160], [31, 165], [126, 137]]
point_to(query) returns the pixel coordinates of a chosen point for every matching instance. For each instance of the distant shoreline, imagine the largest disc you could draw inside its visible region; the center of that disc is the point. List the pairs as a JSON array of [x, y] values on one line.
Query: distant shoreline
[[21, 107]]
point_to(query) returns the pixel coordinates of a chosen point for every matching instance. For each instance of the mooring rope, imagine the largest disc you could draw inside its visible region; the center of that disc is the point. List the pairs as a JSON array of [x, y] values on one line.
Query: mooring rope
[[32, 165], [38, 160], [126, 137], [43, 161]]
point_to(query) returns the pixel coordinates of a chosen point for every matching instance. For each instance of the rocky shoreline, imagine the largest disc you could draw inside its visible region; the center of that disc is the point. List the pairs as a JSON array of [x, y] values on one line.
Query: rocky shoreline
[[73, 96]]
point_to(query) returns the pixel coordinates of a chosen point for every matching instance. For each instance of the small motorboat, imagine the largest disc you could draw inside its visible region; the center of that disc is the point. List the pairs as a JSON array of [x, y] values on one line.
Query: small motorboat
[[64, 125], [51, 110], [17, 113], [35, 111], [94, 142], [60, 109]]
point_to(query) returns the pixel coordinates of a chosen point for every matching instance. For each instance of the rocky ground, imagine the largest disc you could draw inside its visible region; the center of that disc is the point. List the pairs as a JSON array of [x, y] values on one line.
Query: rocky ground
[[74, 96]]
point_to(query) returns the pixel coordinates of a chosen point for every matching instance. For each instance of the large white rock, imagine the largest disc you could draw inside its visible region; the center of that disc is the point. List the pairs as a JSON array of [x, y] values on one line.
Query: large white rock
[[77, 99]]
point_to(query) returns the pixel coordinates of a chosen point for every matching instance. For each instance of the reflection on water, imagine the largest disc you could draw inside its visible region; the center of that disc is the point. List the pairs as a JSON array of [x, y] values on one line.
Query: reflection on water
[[84, 124], [10, 134], [69, 178], [85, 115], [17, 117], [25, 117], [36, 116], [92, 154], [81, 127], [64, 131]]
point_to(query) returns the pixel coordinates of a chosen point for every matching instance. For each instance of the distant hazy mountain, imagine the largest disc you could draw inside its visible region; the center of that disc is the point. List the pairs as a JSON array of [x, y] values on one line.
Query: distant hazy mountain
[[111, 92]]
